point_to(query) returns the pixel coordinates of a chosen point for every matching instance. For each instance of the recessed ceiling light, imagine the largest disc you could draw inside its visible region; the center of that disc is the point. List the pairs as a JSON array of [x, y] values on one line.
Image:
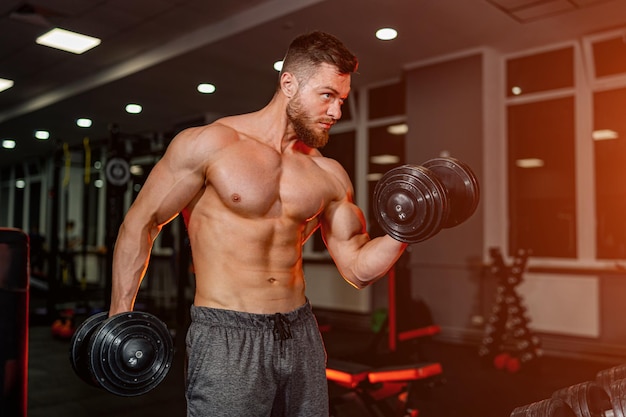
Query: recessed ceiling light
[[136, 169], [374, 176], [5, 84], [42, 134], [83, 122], [399, 129], [386, 34], [529, 163], [68, 41], [516, 91], [133, 108], [385, 159], [604, 134], [278, 65], [206, 88], [8, 143]]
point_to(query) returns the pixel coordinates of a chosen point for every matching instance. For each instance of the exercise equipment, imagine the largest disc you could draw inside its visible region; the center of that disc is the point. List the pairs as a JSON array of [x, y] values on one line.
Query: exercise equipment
[[508, 342], [14, 299], [603, 397], [617, 395], [613, 381], [607, 376], [127, 354], [552, 407], [372, 388], [391, 375], [412, 203], [587, 399]]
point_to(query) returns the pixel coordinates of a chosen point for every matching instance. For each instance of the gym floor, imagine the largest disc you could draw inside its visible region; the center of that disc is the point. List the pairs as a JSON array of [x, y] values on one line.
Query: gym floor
[[470, 388]]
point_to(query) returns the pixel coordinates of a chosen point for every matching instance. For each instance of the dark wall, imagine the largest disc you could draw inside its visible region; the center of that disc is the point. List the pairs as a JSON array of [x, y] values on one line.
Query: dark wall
[[445, 116]]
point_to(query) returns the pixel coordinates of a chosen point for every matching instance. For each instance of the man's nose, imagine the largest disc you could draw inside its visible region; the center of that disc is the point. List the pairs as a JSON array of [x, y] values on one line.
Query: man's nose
[[334, 110]]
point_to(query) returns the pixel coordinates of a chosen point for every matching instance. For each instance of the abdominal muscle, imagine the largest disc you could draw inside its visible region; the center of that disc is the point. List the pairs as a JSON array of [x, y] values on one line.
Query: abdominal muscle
[[250, 265]]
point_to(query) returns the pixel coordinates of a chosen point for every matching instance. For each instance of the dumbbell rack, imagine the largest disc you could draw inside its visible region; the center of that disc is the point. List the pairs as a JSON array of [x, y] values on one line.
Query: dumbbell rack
[[508, 343]]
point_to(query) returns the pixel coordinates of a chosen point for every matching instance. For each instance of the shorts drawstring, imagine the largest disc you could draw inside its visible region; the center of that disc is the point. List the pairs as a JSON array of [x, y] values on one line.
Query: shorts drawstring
[[282, 327]]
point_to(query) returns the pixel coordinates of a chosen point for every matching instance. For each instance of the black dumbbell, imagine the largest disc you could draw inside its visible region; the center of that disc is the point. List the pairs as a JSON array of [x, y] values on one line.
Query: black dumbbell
[[128, 354], [413, 203], [607, 376], [587, 399], [552, 407], [613, 380]]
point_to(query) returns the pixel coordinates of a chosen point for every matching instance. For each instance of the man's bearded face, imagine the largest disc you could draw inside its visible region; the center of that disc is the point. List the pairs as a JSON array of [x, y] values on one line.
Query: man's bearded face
[[306, 127]]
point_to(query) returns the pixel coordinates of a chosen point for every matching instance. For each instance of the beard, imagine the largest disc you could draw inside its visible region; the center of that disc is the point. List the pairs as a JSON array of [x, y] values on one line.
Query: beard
[[301, 121]]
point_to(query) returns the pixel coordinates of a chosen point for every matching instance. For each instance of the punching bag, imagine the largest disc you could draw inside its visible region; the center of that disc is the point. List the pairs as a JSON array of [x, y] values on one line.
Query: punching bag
[[14, 279]]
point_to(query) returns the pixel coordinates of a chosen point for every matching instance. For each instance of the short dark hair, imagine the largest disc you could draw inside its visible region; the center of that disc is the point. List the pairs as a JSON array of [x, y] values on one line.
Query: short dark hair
[[309, 50]]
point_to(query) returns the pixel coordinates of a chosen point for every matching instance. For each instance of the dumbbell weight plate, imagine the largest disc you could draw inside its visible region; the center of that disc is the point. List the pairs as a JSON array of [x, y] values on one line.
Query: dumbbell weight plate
[[606, 376], [553, 407], [587, 399], [461, 187], [79, 347], [131, 353], [617, 393], [410, 204]]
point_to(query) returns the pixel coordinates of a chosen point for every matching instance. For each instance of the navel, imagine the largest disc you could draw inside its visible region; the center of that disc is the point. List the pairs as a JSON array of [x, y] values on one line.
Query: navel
[[271, 280], [236, 198]]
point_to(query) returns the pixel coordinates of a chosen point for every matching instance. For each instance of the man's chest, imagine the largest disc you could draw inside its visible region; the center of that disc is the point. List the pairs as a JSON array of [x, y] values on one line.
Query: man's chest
[[272, 185]]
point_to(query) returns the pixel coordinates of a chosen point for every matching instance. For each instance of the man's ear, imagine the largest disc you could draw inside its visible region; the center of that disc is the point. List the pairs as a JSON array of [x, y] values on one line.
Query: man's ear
[[288, 84]]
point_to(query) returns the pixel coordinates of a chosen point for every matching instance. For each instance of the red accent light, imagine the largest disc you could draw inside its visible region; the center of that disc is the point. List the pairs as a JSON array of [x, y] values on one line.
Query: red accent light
[[421, 332], [345, 378], [405, 374]]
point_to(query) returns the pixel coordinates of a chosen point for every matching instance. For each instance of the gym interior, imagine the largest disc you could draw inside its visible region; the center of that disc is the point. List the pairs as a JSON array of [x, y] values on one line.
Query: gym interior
[[517, 311]]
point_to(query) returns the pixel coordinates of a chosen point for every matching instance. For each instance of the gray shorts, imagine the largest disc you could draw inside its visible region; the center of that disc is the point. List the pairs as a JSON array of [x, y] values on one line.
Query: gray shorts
[[242, 364]]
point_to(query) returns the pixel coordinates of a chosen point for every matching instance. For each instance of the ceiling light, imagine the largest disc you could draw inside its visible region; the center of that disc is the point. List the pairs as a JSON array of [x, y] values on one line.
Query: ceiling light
[[5, 84], [529, 163], [604, 134], [83, 122], [136, 169], [400, 129], [20, 184], [206, 88], [42, 134], [385, 159], [8, 143], [133, 108], [278, 65], [386, 34], [68, 41], [375, 176], [516, 91]]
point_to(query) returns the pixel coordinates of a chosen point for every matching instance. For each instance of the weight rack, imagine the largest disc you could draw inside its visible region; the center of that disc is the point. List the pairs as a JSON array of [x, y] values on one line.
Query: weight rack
[[508, 343]]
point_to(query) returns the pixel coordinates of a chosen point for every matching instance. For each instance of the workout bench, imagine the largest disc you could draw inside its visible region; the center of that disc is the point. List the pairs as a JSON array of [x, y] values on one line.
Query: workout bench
[[374, 389]]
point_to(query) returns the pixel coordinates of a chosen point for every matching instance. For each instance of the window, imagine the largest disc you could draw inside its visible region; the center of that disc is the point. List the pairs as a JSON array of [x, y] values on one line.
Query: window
[[542, 196], [340, 147], [386, 150], [540, 72], [541, 133], [610, 172], [609, 56]]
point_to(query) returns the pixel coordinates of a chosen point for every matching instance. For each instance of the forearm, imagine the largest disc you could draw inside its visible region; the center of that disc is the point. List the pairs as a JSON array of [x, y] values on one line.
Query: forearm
[[374, 259], [130, 261]]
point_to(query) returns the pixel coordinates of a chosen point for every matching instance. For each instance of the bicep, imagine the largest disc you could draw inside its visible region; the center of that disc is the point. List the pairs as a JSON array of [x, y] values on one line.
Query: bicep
[[344, 231]]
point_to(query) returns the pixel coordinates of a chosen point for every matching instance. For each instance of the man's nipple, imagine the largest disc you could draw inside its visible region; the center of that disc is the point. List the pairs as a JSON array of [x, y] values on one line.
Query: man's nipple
[[236, 198]]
